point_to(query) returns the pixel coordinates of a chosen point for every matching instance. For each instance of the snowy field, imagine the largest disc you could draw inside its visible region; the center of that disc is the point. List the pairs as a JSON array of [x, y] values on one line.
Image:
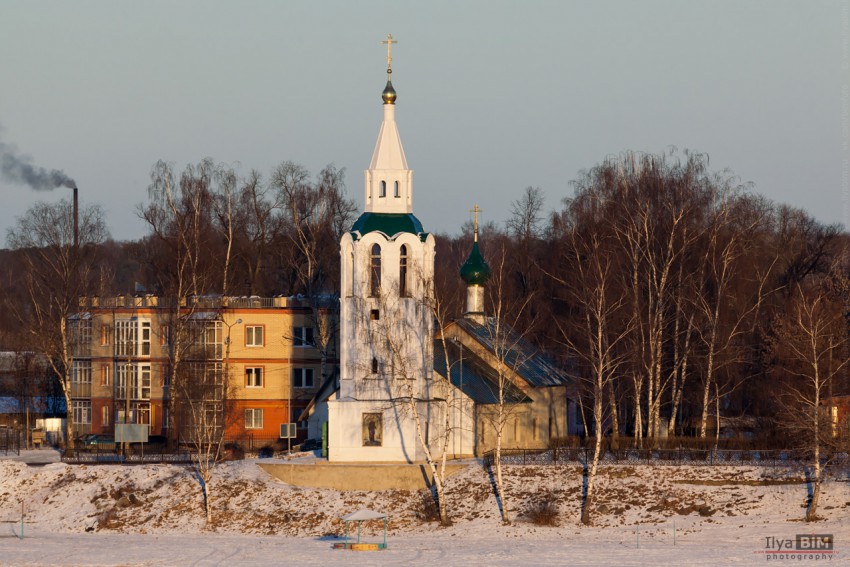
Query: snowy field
[[151, 515]]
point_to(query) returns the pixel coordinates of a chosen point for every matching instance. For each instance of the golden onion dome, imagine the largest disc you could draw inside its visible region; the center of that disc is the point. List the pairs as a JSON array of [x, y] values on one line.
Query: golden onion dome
[[389, 95]]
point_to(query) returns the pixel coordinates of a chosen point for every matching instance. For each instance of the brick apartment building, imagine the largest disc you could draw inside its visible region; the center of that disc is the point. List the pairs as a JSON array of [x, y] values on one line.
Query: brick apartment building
[[266, 345]]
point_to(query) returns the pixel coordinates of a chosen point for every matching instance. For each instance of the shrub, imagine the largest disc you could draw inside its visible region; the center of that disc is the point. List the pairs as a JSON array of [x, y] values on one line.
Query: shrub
[[233, 452], [543, 513], [266, 452]]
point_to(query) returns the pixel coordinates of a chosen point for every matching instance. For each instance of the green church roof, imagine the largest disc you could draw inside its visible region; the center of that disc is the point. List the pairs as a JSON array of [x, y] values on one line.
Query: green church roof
[[388, 223], [475, 270]]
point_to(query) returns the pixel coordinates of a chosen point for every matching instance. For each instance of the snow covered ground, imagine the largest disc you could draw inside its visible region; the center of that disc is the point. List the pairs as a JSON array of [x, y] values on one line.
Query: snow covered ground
[[151, 515]]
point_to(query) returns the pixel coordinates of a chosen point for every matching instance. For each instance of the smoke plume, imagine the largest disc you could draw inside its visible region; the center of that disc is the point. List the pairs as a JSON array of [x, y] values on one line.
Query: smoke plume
[[19, 169]]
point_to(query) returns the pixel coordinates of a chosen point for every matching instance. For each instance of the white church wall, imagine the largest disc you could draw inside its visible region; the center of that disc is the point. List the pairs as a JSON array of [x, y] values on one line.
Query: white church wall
[[396, 441]]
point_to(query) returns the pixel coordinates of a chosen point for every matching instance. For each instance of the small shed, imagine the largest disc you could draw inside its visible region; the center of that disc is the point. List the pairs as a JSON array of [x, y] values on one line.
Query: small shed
[[361, 516]]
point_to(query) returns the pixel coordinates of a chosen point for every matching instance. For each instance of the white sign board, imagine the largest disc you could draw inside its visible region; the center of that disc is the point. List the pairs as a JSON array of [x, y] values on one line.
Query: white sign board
[[287, 431], [131, 432]]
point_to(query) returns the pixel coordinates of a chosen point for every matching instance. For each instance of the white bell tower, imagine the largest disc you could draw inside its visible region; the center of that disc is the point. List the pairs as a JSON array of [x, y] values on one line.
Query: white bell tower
[[386, 324]]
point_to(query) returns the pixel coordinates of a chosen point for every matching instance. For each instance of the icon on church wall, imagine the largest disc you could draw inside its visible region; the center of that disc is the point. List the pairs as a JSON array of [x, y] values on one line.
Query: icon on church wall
[[372, 429]]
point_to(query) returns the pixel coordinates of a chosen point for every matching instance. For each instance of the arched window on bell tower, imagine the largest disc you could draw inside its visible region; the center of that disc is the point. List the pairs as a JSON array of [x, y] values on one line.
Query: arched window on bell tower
[[402, 271], [375, 272], [383, 191], [395, 190]]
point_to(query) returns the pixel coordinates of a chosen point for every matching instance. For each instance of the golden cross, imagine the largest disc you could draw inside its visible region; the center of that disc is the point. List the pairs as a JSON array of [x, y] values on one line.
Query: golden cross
[[475, 210], [389, 43]]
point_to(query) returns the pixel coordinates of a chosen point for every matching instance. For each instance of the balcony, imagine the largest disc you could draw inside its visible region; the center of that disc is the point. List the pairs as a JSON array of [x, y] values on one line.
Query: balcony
[[80, 390]]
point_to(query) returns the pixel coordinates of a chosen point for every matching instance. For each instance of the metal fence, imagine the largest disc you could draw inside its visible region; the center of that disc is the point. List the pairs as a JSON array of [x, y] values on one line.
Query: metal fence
[[674, 457], [233, 447], [10, 441]]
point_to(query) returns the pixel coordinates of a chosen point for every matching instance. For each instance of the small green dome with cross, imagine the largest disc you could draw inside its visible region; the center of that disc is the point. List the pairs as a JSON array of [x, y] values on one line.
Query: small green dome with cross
[[475, 270]]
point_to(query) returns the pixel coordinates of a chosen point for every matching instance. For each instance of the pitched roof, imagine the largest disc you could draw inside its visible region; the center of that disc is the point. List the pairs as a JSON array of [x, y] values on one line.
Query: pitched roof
[[472, 375], [326, 390], [519, 355]]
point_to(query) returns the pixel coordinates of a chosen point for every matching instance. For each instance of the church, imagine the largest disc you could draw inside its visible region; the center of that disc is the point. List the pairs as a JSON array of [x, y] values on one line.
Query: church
[[404, 388]]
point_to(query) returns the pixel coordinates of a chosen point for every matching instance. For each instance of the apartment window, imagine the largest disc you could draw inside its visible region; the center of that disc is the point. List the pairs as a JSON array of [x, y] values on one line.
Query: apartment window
[[135, 376], [302, 378], [254, 418], [207, 380], [104, 416], [145, 346], [79, 334], [254, 377], [375, 272], [132, 337], [81, 409], [402, 271], [254, 336], [374, 365], [302, 336], [105, 333], [164, 335], [209, 338], [81, 373], [80, 329], [104, 375]]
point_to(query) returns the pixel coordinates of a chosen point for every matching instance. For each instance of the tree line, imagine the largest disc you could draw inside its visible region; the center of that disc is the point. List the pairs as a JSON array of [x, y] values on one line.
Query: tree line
[[666, 286]]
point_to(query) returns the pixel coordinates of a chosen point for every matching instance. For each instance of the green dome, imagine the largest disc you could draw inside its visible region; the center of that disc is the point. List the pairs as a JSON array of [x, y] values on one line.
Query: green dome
[[388, 223], [475, 270]]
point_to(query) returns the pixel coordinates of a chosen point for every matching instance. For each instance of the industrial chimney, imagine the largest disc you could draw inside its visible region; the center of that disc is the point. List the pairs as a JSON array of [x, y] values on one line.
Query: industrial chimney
[[76, 221]]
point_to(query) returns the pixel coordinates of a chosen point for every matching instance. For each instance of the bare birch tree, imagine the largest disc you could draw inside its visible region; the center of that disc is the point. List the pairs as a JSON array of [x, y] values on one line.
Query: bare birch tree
[[510, 355], [57, 274], [205, 394], [416, 392], [314, 216], [601, 332], [179, 216], [809, 344]]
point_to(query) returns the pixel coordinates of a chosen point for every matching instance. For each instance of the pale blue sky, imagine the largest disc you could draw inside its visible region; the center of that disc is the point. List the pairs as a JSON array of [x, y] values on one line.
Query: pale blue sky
[[493, 96]]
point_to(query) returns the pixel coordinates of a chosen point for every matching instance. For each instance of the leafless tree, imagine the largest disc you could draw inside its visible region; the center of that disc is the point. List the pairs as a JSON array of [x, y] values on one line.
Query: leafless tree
[[730, 294], [414, 391], [527, 214], [314, 217], [178, 214], [600, 332], [57, 273], [510, 355], [206, 394], [809, 341], [257, 226]]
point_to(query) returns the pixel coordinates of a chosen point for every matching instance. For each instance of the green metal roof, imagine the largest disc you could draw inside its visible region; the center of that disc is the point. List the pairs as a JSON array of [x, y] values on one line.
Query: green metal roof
[[475, 270], [388, 223]]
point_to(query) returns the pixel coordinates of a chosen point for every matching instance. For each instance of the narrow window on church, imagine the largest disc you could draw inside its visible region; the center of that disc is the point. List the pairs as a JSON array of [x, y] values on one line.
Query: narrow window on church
[[375, 272], [374, 365], [383, 192], [351, 276], [402, 272], [395, 191]]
